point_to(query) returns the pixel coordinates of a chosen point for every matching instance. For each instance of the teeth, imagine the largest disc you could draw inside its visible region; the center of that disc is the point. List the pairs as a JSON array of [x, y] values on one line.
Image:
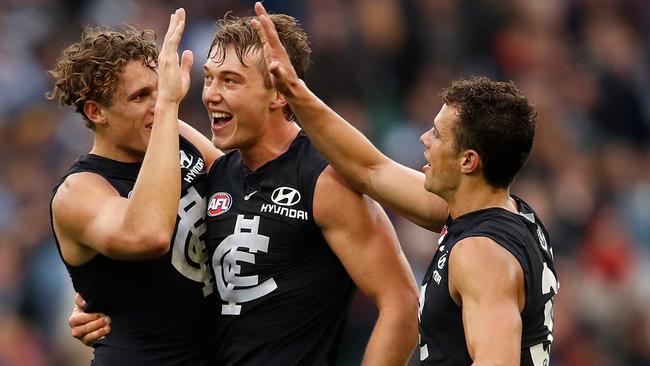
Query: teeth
[[221, 115]]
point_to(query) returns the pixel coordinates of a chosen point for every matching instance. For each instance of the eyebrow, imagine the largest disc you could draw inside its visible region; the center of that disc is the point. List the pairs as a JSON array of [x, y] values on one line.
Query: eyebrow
[[223, 73], [134, 94]]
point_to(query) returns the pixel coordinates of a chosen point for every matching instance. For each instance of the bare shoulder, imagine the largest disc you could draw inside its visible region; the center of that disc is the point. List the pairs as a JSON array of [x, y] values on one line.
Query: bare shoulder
[[479, 251], [479, 265], [333, 197], [79, 188], [74, 205]]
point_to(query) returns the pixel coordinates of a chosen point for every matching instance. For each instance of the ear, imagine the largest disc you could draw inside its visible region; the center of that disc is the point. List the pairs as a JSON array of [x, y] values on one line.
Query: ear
[[470, 161], [279, 101], [94, 112]]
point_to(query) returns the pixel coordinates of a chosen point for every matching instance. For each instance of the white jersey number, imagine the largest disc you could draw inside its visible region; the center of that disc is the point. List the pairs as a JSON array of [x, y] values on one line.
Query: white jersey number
[[538, 353]]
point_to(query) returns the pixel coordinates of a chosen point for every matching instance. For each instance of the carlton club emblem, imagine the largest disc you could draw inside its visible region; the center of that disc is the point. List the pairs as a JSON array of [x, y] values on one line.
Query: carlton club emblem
[[219, 203], [285, 196]]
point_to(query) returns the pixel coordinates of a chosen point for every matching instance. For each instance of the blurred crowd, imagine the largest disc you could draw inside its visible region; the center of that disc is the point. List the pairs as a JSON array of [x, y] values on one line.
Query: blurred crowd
[[585, 64]]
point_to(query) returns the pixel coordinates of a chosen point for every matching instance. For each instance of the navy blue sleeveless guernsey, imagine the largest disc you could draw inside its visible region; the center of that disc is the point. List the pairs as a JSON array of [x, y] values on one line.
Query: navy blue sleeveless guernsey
[[442, 338], [159, 307], [282, 295]]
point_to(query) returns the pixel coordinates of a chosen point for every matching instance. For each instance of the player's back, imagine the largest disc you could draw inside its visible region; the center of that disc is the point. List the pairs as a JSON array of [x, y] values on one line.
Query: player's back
[[159, 307]]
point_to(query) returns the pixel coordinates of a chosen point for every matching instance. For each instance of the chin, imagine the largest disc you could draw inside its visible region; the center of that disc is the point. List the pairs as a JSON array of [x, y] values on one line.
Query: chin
[[428, 186], [221, 144]]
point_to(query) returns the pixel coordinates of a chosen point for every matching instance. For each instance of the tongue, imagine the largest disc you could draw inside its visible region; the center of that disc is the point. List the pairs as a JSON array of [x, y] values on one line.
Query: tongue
[[221, 121]]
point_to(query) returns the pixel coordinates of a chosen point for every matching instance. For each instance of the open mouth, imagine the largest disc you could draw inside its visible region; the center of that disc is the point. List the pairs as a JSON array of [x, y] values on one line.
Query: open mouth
[[220, 119]]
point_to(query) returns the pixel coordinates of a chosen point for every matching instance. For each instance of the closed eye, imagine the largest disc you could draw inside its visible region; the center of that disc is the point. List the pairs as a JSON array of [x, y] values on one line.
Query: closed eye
[[435, 132]]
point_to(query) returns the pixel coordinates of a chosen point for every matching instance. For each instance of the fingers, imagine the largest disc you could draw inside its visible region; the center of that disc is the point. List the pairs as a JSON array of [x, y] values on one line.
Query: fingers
[[174, 30], [92, 331], [265, 28], [88, 327], [187, 59], [273, 48], [171, 28], [275, 55], [79, 301], [78, 317], [178, 31], [95, 336], [259, 9]]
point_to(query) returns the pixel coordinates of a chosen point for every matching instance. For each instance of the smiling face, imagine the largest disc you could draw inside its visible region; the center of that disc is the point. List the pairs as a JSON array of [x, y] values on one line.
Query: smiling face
[[443, 173], [130, 116], [237, 100]]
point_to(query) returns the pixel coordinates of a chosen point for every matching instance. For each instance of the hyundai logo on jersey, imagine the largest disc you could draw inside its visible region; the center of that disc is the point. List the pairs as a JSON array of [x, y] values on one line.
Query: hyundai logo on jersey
[[185, 160], [285, 196]]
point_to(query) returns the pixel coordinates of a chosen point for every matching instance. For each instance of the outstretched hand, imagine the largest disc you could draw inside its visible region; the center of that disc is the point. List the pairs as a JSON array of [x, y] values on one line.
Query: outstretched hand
[[174, 80], [283, 75]]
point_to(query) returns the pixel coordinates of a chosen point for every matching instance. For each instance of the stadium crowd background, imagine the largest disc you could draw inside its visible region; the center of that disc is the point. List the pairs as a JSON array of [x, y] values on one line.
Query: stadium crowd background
[[585, 64]]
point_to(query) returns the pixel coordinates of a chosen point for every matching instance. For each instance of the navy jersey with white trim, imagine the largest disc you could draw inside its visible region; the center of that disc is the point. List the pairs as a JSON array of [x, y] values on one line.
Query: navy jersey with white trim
[[282, 295], [159, 307], [442, 338]]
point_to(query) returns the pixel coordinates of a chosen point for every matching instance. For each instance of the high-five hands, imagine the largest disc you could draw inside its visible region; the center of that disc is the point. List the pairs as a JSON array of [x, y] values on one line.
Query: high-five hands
[[283, 75], [174, 80]]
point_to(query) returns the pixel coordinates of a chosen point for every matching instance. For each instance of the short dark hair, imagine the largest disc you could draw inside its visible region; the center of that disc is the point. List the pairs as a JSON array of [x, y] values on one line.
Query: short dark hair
[[497, 121], [239, 33], [91, 68]]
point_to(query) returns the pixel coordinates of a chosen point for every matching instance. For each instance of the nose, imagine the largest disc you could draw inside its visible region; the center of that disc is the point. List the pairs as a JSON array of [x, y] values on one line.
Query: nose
[[424, 139], [211, 94]]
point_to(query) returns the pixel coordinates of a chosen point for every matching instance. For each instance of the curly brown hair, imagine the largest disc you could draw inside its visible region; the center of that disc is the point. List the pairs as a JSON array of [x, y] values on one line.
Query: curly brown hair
[[497, 121], [239, 33], [91, 68]]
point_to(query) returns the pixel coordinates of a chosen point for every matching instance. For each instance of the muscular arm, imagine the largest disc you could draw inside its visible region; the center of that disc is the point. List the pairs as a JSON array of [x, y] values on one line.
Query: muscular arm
[[363, 239], [488, 282], [89, 215], [348, 150]]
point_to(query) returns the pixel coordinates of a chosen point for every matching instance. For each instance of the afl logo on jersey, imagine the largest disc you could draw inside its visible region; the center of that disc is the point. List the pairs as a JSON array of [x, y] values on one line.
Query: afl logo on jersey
[[285, 196], [219, 203], [443, 232]]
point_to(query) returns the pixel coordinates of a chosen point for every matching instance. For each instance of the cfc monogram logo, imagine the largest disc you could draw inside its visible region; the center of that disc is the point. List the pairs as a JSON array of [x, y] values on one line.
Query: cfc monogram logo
[[235, 289]]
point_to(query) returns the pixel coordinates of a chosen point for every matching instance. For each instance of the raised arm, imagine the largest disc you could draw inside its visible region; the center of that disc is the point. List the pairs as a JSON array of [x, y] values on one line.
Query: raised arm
[[89, 215], [348, 150], [363, 239]]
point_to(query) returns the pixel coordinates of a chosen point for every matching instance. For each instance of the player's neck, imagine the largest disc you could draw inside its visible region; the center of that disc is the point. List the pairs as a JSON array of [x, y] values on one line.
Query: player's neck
[[109, 150], [475, 195], [272, 143]]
